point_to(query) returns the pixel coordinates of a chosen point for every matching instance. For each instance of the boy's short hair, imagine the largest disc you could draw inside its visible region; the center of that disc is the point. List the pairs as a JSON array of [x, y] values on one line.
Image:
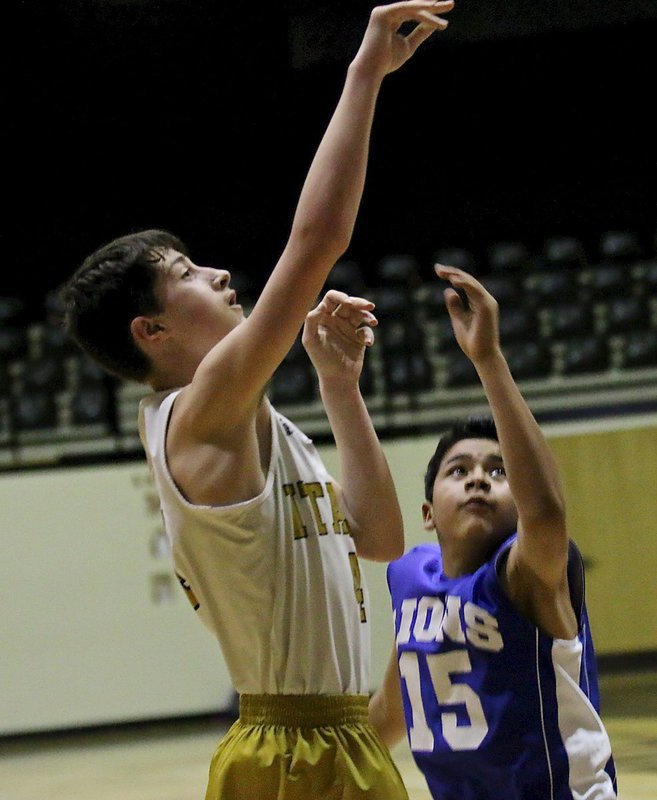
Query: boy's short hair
[[481, 427], [114, 285]]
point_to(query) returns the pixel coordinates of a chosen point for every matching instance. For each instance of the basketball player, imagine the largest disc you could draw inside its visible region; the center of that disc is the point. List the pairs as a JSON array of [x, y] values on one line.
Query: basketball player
[[264, 541], [493, 673]]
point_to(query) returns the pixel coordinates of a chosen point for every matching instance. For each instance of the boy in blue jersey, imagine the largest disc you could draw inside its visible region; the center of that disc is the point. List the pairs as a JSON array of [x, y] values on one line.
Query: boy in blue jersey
[[493, 672]]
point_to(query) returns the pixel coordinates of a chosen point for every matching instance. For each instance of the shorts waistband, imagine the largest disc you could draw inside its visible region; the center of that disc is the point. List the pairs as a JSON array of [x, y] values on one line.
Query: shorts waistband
[[303, 710]]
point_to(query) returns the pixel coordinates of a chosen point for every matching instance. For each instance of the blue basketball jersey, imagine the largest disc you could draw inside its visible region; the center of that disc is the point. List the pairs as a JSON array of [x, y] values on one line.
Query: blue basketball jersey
[[495, 709]]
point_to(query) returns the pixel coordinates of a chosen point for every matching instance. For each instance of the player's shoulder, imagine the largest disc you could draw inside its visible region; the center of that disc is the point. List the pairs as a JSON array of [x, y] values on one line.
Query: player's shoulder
[[153, 401], [422, 556]]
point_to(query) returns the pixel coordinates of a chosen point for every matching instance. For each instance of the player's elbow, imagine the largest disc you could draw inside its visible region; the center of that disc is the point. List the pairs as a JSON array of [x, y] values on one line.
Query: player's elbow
[[546, 508], [328, 238], [548, 515], [396, 548], [380, 547]]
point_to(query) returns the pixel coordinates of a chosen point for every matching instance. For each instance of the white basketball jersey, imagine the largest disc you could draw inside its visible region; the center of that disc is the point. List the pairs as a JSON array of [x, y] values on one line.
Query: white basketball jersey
[[275, 578]]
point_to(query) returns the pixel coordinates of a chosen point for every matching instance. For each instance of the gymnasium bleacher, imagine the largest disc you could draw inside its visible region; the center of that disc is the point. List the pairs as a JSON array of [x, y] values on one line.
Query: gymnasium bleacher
[[578, 325]]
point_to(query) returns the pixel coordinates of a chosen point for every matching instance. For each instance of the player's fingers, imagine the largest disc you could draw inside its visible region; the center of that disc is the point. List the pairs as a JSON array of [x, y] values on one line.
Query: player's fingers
[[454, 303], [354, 310], [348, 329], [422, 32], [460, 279], [332, 300], [344, 316], [429, 22], [475, 297], [365, 334], [397, 13], [330, 304]]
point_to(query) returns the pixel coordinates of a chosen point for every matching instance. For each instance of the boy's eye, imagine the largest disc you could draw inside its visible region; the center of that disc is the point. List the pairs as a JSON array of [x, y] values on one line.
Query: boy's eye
[[457, 471], [186, 273], [498, 472]]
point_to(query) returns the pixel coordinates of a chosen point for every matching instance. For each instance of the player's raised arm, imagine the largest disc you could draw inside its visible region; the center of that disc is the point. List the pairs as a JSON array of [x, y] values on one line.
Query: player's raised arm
[[336, 334], [537, 563], [233, 375]]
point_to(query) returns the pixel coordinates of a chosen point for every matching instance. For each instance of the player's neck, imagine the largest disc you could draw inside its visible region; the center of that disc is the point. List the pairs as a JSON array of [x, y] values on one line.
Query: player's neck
[[464, 558]]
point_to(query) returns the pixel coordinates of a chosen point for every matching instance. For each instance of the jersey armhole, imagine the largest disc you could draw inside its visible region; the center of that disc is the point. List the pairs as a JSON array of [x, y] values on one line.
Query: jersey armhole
[[576, 581], [575, 572]]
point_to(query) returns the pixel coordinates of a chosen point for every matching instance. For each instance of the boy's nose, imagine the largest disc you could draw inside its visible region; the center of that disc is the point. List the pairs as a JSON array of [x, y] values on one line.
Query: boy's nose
[[479, 479], [221, 278]]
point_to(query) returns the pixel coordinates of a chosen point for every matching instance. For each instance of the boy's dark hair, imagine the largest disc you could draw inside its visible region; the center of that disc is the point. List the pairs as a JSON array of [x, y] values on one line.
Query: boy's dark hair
[[114, 285], [470, 428]]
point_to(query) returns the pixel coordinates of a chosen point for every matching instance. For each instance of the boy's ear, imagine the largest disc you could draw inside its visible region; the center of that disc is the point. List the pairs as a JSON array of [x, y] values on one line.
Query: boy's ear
[[146, 329], [427, 516]]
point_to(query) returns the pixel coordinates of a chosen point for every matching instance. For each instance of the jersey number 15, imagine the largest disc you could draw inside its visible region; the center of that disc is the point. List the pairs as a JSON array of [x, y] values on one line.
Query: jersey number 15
[[441, 668]]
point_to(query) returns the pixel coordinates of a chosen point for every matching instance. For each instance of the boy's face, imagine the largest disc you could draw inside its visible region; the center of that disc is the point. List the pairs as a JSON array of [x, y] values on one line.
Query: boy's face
[[471, 496], [197, 301]]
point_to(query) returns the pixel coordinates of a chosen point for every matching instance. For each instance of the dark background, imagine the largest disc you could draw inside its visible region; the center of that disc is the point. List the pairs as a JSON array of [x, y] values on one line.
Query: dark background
[[525, 120]]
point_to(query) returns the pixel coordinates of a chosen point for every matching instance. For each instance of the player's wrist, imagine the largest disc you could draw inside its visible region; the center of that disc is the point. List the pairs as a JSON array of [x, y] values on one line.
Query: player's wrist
[[364, 72], [339, 387], [489, 362]]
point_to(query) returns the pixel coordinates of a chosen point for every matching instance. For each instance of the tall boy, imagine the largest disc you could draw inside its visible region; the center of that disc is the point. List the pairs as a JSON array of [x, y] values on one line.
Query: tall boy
[[264, 541]]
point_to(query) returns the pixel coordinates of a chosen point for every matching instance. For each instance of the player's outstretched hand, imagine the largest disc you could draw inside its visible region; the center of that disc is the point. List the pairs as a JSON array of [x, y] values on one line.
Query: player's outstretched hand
[[383, 48], [336, 334], [475, 323]]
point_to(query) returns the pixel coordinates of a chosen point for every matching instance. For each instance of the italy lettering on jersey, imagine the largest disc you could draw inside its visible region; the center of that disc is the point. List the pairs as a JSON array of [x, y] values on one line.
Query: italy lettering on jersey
[[275, 577], [494, 707], [304, 496]]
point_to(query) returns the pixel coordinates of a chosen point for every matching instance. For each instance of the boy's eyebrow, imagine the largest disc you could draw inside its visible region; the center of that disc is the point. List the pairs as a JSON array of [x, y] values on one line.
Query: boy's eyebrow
[[468, 457], [169, 267], [458, 456]]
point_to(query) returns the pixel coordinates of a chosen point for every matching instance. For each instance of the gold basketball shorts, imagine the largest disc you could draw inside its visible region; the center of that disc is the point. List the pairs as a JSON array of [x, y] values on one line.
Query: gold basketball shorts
[[302, 747]]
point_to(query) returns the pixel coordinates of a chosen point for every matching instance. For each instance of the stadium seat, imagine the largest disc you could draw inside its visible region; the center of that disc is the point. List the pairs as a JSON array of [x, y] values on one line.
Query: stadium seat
[[585, 354], [528, 360], [90, 405], [293, 382], [626, 314], [553, 286], [33, 410], [5, 380], [407, 372], [45, 373], [569, 319], [459, 371], [88, 373], [14, 343], [54, 341], [400, 335], [649, 278], [509, 257], [518, 324], [639, 349], [13, 311], [391, 303], [607, 280], [401, 270], [429, 301], [506, 289], [458, 257], [562, 252], [346, 276], [620, 247]]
